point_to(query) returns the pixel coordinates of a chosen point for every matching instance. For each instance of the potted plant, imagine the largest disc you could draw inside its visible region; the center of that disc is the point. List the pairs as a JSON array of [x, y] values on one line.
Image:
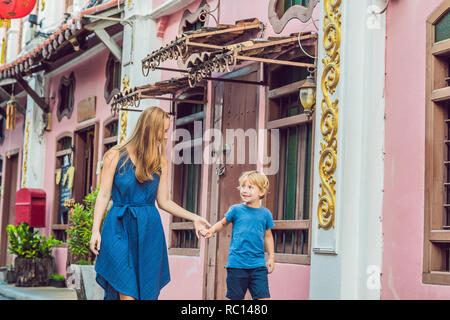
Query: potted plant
[[3, 275], [34, 262], [57, 280], [79, 235], [11, 275]]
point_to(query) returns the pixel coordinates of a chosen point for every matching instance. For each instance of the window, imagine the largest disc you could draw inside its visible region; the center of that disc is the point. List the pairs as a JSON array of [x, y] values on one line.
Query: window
[[196, 25], [63, 185], [442, 28], [188, 154], [290, 198], [113, 78], [190, 21], [436, 269], [283, 5], [2, 128], [110, 133], [290, 3], [282, 11], [66, 97]]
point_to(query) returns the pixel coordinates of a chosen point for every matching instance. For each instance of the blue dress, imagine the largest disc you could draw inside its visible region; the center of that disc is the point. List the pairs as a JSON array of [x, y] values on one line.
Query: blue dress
[[133, 253]]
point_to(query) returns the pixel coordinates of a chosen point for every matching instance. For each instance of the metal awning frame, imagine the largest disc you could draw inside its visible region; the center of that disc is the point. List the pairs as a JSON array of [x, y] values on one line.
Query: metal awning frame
[[218, 59], [180, 46]]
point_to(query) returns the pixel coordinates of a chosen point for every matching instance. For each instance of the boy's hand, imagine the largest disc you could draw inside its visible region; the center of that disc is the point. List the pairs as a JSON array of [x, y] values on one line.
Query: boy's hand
[[203, 232], [209, 233], [200, 225], [270, 265]]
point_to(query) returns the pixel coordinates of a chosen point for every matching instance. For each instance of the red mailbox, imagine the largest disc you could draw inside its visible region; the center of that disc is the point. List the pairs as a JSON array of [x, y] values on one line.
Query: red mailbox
[[30, 207]]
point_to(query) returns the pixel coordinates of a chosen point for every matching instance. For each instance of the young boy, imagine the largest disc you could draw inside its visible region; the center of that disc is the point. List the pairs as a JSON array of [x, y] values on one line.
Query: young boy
[[246, 267]]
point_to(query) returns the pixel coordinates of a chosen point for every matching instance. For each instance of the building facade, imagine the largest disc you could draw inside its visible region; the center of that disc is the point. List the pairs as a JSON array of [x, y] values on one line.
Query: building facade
[[358, 184]]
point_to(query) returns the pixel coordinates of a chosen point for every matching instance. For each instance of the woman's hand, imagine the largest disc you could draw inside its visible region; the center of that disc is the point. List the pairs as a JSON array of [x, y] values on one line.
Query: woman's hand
[[95, 242], [201, 226]]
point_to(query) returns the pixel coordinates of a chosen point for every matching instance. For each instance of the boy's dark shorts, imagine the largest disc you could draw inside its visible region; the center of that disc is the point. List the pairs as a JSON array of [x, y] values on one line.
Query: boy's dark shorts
[[255, 280]]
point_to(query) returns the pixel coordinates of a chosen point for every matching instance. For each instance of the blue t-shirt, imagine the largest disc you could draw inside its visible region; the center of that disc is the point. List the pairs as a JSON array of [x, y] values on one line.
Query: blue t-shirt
[[247, 240]]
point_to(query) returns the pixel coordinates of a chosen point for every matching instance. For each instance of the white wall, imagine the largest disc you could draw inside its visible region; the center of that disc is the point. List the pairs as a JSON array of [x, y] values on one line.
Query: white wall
[[138, 42], [352, 271], [37, 141], [12, 42], [52, 15]]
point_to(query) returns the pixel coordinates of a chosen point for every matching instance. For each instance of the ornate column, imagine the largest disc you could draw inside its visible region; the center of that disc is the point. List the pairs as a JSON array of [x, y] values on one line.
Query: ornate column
[[346, 235]]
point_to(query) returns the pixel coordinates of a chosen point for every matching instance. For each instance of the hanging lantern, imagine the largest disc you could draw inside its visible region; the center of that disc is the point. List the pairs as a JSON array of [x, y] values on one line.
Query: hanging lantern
[[14, 9], [11, 114], [5, 23], [308, 94]]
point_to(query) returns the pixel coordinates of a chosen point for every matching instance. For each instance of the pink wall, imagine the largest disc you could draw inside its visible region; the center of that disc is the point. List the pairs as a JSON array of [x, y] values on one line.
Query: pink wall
[[403, 205], [89, 81], [287, 281], [13, 141]]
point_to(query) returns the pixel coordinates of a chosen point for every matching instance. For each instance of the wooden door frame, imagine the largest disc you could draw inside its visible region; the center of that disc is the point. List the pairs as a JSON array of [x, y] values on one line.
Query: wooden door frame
[[77, 191], [5, 217], [210, 267]]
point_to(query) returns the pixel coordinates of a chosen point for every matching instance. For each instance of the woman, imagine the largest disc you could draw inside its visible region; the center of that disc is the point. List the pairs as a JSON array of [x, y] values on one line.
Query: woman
[[131, 250]]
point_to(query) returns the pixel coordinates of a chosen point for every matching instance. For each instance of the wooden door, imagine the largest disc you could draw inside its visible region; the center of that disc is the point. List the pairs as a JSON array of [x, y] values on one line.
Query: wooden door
[[85, 161], [236, 107], [8, 205]]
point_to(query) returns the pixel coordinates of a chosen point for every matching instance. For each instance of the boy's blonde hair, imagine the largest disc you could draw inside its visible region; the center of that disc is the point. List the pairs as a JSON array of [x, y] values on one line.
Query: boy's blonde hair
[[256, 178]]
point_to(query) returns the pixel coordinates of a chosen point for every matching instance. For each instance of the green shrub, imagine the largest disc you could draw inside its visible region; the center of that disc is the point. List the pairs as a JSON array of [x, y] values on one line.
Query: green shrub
[[26, 243], [80, 228], [84, 262], [56, 276]]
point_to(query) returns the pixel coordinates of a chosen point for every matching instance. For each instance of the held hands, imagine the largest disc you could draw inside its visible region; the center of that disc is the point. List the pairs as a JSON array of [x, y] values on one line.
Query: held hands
[[201, 225], [209, 233]]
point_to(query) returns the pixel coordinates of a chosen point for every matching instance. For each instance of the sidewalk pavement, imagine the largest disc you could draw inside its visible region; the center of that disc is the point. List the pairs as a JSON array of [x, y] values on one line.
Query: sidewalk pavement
[[37, 293]]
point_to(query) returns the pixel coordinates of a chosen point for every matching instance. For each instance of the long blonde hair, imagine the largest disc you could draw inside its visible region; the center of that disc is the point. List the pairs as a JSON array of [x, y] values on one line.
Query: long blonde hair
[[144, 141]]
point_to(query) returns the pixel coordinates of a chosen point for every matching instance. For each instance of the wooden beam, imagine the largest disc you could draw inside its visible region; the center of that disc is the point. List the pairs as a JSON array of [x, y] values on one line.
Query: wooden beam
[[274, 61], [441, 48], [109, 43], [441, 94], [203, 45], [191, 118], [288, 122], [291, 225], [285, 90], [440, 235], [36, 98], [174, 99], [225, 30], [100, 24]]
